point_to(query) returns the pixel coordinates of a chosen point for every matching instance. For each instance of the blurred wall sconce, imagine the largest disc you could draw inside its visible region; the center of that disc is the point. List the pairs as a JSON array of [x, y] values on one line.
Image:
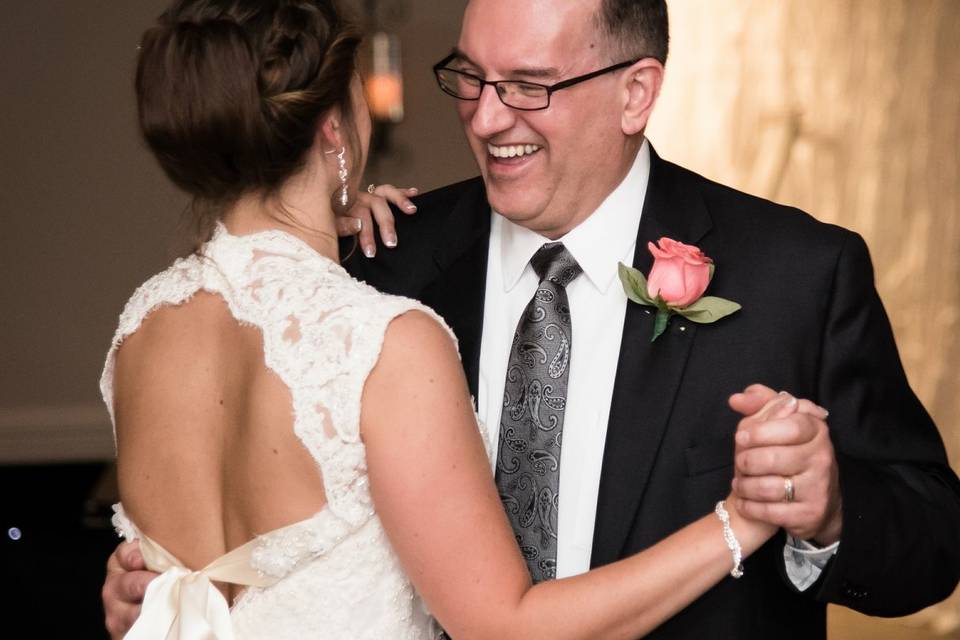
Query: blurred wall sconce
[[384, 77], [385, 81]]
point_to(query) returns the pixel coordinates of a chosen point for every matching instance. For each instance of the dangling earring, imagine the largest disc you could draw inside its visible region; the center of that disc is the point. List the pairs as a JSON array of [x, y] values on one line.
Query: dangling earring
[[344, 174]]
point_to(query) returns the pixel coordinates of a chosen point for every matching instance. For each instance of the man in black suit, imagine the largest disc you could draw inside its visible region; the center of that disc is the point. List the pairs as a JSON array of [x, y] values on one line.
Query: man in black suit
[[874, 520], [877, 481]]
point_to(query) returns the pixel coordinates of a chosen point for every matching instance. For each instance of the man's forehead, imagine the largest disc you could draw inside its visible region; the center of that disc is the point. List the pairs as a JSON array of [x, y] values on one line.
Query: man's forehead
[[511, 35]]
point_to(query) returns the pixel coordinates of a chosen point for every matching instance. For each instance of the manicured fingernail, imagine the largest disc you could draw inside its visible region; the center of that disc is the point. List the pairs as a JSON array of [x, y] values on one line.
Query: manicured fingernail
[[369, 252], [413, 190], [775, 407], [410, 207], [390, 241], [786, 408], [357, 225]]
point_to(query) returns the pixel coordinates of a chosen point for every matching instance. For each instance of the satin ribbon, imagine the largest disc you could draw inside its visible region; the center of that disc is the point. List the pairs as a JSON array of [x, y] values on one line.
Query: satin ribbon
[[182, 604]]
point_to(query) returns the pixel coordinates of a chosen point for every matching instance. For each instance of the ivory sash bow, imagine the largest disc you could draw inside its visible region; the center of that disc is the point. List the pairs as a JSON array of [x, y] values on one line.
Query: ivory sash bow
[[182, 604]]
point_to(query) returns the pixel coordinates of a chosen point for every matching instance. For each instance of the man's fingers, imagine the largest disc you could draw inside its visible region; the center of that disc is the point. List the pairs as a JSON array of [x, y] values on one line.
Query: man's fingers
[[126, 557], [761, 488], [794, 429], [772, 461], [120, 619], [131, 586], [124, 588]]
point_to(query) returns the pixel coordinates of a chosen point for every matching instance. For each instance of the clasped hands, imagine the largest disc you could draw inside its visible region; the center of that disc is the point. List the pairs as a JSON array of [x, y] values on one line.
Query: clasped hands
[[785, 466]]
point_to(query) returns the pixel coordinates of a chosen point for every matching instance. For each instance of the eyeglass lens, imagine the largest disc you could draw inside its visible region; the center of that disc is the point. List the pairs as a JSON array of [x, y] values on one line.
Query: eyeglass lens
[[521, 95]]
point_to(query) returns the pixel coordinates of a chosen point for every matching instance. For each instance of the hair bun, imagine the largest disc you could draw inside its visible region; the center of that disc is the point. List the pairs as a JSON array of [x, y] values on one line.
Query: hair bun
[[293, 52], [230, 92]]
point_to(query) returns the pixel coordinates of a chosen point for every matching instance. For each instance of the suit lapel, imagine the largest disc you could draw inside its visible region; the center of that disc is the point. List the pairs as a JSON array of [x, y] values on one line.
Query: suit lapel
[[458, 292], [648, 374]]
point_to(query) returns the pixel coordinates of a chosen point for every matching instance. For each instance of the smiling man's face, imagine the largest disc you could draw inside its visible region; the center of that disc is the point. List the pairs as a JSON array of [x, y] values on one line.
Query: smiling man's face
[[546, 170]]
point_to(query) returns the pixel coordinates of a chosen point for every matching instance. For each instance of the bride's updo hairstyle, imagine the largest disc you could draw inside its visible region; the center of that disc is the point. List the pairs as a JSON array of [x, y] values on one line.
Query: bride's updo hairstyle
[[230, 94]]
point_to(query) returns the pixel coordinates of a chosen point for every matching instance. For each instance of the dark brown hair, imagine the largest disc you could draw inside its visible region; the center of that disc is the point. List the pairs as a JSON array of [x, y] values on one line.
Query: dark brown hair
[[230, 94], [635, 28]]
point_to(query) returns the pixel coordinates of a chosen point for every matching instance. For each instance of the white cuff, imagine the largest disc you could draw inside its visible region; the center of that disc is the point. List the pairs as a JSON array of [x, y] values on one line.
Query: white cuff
[[805, 562]]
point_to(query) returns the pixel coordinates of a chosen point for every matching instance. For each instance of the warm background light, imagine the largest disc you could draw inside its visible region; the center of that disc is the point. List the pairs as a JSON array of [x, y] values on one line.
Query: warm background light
[[385, 96], [385, 82]]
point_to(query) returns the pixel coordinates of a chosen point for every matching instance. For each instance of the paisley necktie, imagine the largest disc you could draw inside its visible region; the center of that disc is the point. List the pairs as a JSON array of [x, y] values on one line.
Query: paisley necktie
[[534, 400]]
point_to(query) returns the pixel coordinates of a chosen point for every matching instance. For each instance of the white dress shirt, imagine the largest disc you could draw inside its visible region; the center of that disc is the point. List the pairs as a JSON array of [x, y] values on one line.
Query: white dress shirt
[[597, 311]]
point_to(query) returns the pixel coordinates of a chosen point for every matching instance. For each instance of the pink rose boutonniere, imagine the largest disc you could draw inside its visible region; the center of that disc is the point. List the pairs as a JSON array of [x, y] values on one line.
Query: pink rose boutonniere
[[678, 279]]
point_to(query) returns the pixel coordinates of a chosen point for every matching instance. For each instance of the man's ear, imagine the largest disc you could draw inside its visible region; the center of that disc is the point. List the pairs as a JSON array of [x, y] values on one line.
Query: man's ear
[[641, 88]]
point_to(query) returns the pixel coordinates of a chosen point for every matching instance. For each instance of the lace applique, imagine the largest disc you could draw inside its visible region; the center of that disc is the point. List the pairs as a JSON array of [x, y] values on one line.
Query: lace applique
[[122, 525], [280, 552]]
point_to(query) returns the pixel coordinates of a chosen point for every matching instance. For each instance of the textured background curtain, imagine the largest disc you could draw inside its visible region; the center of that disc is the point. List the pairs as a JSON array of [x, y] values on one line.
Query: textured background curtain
[[849, 110]]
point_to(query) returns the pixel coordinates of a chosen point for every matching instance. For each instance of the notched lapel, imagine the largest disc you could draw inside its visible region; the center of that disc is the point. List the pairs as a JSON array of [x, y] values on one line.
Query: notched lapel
[[649, 374], [458, 292]]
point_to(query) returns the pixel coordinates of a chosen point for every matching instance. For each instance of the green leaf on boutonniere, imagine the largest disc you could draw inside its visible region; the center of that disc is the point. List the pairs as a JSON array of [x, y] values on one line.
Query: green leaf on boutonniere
[[635, 285], [660, 324], [709, 309]]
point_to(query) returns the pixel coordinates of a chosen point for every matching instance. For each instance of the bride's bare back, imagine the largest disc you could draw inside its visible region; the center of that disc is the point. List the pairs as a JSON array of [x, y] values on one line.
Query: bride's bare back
[[207, 453]]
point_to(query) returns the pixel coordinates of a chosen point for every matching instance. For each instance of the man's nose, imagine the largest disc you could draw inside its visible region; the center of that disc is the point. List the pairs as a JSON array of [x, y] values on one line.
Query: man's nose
[[491, 116]]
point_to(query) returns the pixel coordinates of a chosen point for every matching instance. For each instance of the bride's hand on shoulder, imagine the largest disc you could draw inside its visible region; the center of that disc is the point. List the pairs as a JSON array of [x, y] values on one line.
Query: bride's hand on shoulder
[[372, 209]]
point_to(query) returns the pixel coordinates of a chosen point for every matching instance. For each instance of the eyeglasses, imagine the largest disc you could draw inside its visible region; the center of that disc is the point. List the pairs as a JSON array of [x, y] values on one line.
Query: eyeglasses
[[516, 94]]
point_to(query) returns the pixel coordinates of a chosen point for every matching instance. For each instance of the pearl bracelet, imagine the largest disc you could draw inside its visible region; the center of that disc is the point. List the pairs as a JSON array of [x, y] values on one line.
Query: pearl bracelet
[[730, 539]]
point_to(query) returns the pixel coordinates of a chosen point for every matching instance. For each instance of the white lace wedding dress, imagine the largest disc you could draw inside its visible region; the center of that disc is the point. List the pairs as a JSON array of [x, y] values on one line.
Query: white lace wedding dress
[[333, 575]]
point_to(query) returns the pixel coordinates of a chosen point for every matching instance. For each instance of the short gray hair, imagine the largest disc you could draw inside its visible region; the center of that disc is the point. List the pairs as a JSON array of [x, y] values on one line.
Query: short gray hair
[[635, 28]]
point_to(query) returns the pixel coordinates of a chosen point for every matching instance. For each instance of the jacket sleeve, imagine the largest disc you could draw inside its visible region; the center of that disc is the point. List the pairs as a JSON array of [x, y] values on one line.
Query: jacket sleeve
[[900, 544]]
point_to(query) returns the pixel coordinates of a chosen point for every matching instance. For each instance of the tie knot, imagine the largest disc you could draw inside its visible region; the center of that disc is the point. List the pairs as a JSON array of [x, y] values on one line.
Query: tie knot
[[553, 262]]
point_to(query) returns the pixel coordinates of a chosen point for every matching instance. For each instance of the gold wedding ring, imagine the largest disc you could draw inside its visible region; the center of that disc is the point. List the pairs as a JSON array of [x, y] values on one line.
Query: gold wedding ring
[[371, 188], [788, 490]]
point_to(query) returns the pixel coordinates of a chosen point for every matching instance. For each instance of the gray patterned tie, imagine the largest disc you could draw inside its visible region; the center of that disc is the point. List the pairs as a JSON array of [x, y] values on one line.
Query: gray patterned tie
[[534, 400]]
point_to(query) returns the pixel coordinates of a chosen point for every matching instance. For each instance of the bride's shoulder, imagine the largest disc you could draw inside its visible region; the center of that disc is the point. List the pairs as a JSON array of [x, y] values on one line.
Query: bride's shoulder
[[172, 286], [404, 317]]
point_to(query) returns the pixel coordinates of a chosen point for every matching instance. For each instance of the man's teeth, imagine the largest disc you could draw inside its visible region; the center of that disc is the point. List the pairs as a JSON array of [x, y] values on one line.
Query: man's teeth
[[512, 151]]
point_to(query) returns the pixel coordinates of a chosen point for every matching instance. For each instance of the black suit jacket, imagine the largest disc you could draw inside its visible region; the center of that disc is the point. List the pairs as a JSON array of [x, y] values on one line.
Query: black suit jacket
[[811, 323]]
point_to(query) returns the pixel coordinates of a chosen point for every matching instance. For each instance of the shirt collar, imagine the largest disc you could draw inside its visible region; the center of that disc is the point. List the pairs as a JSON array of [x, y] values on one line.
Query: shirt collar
[[598, 243]]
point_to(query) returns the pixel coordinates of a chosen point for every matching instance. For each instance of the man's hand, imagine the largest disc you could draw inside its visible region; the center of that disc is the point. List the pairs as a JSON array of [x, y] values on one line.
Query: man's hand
[[783, 439], [124, 587], [375, 206]]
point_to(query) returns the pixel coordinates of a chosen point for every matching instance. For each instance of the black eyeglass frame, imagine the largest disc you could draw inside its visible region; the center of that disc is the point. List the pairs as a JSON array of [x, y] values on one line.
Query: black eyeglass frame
[[557, 86]]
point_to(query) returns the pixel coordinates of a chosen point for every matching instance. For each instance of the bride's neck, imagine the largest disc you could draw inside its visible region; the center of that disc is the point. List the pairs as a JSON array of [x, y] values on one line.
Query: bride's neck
[[302, 207]]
